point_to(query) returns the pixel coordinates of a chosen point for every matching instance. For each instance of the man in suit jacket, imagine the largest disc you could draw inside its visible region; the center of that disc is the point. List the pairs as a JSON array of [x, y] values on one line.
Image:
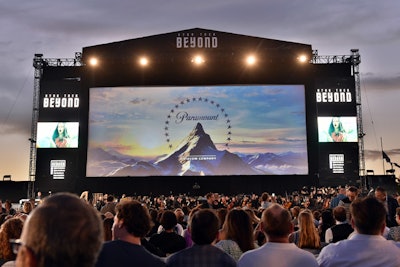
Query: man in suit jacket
[[390, 204]]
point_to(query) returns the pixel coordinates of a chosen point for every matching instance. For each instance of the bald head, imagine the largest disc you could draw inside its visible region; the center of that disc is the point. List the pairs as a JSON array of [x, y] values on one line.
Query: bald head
[[276, 222]]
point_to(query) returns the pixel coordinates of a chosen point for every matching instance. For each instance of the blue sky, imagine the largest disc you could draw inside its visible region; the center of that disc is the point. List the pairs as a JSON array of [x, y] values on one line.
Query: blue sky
[[58, 29]]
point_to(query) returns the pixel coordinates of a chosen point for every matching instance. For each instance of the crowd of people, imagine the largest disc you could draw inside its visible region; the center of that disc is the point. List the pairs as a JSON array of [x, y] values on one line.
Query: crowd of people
[[342, 226]]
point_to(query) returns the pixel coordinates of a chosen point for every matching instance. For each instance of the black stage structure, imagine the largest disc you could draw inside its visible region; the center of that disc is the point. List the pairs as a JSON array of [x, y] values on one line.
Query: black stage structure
[[201, 65]]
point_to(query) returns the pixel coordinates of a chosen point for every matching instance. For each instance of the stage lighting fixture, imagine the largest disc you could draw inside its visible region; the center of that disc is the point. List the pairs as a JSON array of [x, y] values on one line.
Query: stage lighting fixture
[[93, 61], [143, 61], [302, 58], [198, 60], [251, 60]]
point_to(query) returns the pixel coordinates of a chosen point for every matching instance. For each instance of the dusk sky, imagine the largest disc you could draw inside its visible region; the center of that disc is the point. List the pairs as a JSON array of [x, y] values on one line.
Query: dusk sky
[[58, 29]]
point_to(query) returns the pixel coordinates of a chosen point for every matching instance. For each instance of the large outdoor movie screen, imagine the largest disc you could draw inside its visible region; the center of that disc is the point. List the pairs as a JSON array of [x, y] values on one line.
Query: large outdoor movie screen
[[197, 130]]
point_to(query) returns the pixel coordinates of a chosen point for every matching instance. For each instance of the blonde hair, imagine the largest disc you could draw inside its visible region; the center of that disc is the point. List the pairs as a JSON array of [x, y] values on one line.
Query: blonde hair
[[308, 233]]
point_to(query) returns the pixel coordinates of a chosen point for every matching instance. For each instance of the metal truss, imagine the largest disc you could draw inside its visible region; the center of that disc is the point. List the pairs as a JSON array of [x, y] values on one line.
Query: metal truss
[[39, 63], [354, 59]]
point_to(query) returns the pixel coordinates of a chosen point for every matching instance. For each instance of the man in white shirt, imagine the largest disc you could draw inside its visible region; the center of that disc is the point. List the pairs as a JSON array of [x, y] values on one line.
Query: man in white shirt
[[278, 252], [367, 246]]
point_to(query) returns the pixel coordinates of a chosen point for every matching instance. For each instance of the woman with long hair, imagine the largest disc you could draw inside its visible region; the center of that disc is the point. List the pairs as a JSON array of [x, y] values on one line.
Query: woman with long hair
[[60, 135], [307, 237], [236, 235]]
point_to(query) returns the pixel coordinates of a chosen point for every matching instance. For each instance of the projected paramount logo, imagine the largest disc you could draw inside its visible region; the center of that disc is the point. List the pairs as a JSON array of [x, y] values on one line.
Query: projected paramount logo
[[197, 109], [192, 40]]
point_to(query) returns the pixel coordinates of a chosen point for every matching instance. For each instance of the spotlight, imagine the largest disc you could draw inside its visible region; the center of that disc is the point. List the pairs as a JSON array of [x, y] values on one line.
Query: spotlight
[[198, 60], [93, 61], [302, 58], [251, 60], [143, 61]]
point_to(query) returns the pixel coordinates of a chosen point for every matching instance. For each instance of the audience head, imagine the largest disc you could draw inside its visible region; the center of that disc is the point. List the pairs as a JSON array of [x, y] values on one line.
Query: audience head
[[204, 227], [264, 196], [62, 231], [131, 218], [368, 216], [295, 210], [276, 222], [352, 193], [107, 225], [309, 237], [168, 220], [210, 197], [238, 227], [380, 193], [339, 213], [10, 229], [27, 207], [180, 215], [342, 190], [110, 198], [7, 205]]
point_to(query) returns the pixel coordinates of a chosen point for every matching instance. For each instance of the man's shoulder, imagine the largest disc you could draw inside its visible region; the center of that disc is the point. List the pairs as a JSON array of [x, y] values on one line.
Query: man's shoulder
[[273, 251], [120, 252]]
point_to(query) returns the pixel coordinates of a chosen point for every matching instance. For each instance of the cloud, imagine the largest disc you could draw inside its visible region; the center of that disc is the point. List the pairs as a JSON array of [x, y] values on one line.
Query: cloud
[[379, 83]]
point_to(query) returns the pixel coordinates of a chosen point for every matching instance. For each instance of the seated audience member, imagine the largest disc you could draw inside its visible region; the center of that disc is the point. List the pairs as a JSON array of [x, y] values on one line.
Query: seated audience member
[[390, 205], [278, 251], [394, 232], [265, 201], [10, 229], [2, 209], [180, 216], [341, 230], [107, 227], [307, 237], [367, 246], [209, 203], [154, 222], [62, 231], [295, 210], [168, 240], [341, 194], [204, 226], [236, 235], [9, 209], [109, 206], [131, 223], [221, 214], [325, 222], [186, 233], [27, 207], [351, 195]]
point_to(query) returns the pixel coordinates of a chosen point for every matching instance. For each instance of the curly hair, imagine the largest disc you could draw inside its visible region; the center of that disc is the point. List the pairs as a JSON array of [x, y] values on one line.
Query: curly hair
[[10, 229]]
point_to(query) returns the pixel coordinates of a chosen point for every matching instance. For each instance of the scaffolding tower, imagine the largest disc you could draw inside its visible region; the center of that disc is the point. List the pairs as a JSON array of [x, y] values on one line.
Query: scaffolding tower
[[39, 63], [354, 59]]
